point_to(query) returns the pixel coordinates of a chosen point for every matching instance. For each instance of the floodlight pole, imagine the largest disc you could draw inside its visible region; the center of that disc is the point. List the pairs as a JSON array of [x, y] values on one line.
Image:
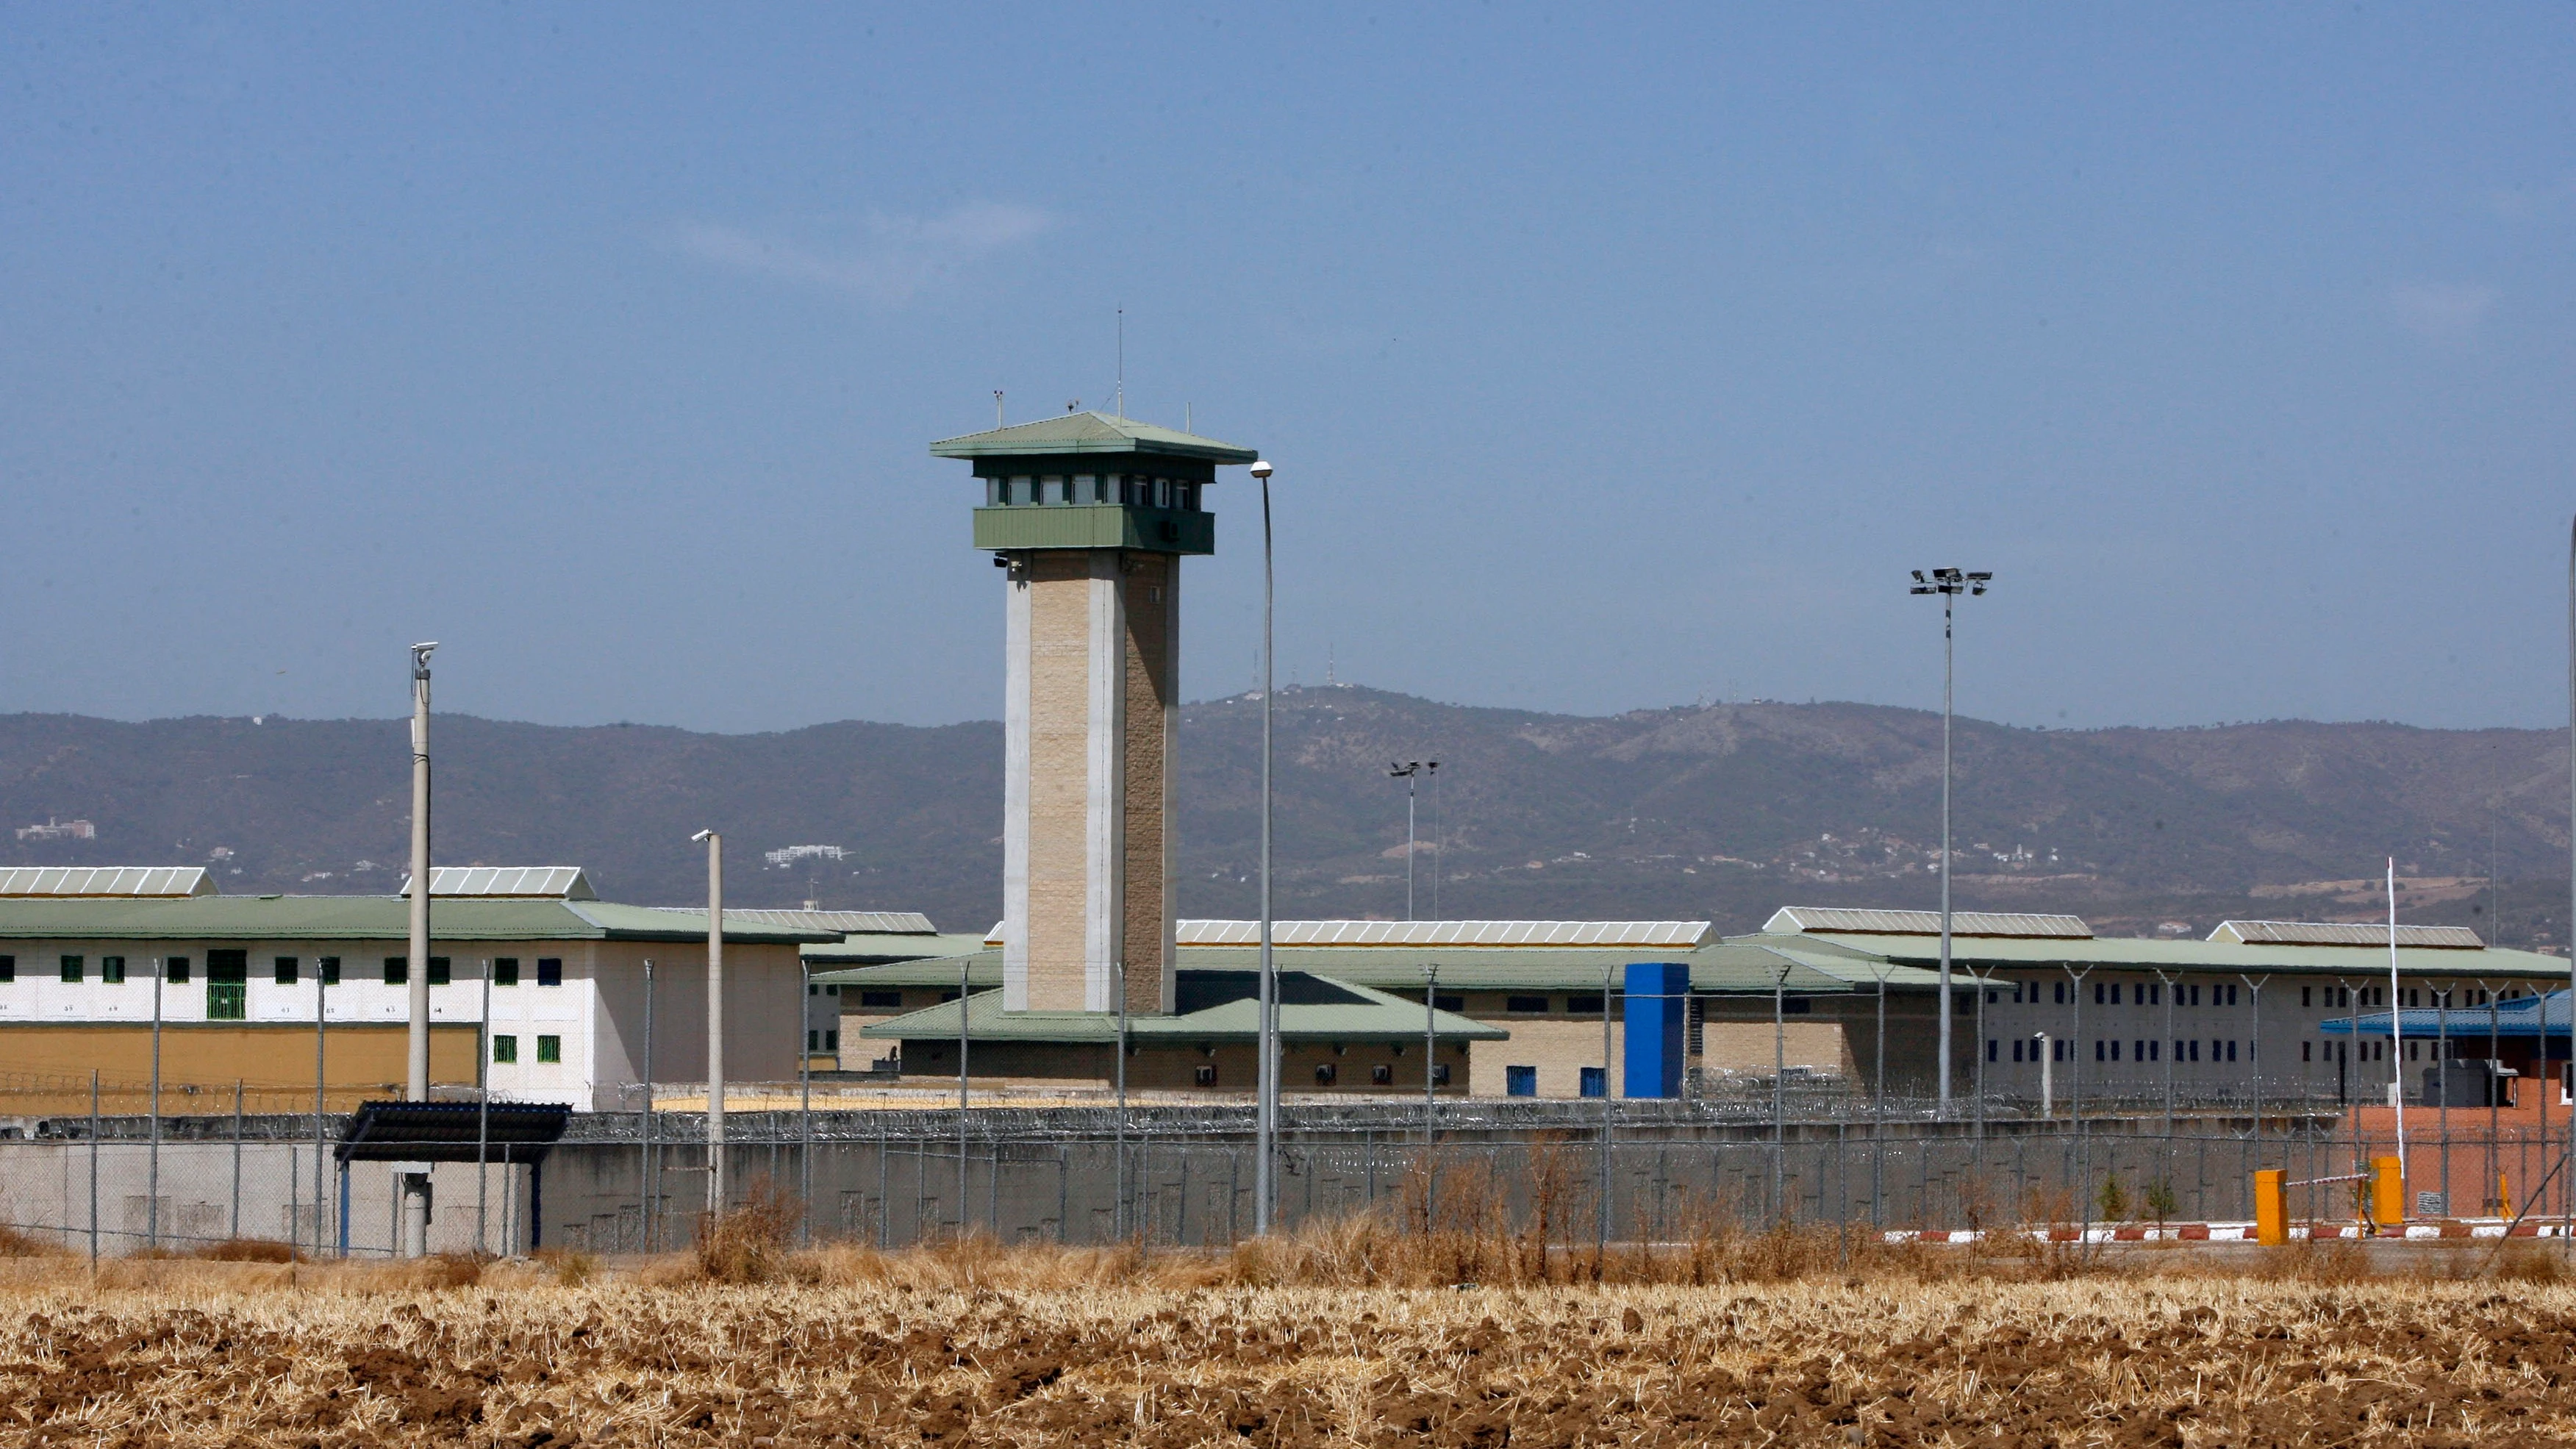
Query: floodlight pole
[[415, 1185], [1405, 770], [1266, 1080], [1439, 842], [1949, 584]]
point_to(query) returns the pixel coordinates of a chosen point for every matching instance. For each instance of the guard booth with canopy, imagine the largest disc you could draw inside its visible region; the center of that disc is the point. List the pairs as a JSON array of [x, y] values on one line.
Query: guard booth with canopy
[[416, 1135]]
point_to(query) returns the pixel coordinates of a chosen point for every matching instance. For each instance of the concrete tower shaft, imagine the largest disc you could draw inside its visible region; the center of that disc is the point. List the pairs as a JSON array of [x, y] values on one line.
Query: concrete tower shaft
[[1090, 516], [1090, 728]]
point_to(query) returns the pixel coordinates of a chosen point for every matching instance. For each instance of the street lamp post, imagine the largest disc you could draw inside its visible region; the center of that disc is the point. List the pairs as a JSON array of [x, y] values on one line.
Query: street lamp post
[[1266, 1081], [1949, 584], [1406, 770], [415, 1183]]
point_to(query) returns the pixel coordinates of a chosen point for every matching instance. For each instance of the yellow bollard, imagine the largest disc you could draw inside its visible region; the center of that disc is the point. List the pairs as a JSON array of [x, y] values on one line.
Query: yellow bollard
[[2504, 1195], [2271, 1208], [2387, 1193]]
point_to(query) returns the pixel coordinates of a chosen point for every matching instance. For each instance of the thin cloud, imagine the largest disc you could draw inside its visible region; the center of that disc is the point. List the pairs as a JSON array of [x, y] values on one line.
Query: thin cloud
[[2442, 311], [897, 257]]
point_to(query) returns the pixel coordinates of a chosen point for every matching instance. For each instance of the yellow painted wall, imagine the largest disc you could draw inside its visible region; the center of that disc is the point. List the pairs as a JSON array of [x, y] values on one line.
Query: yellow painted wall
[[43, 1069], [1747, 1047], [1559, 1047]]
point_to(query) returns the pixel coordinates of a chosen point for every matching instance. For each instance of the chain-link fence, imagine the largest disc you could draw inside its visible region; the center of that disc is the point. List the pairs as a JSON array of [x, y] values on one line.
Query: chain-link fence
[[1182, 1174]]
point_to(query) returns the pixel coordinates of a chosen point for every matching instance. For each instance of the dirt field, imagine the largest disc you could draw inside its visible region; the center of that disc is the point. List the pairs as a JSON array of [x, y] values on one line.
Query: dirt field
[[1050, 1348]]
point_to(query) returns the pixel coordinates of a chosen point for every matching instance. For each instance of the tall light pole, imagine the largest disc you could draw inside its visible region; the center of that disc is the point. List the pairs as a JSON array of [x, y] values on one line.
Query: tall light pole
[[715, 1020], [415, 1185], [1439, 842], [1266, 1113], [1949, 584], [1405, 770]]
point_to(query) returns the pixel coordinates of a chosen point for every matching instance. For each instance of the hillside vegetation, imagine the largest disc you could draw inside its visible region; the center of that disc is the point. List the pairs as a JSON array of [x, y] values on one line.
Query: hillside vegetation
[[1723, 811]]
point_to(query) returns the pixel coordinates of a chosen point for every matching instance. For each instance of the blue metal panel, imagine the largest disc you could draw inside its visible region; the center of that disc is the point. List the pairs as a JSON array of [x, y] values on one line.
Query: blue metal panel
[[1658, 1000]]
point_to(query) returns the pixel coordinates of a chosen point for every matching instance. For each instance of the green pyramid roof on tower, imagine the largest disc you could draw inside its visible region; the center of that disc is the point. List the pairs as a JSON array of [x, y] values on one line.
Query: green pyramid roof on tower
[[1088, 433]]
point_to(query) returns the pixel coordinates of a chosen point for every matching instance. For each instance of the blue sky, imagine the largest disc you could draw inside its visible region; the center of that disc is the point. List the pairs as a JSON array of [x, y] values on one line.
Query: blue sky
[[1610, 358]]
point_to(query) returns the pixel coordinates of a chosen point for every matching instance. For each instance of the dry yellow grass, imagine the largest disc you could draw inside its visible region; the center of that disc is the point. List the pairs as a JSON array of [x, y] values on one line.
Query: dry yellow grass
[[976, 1344]]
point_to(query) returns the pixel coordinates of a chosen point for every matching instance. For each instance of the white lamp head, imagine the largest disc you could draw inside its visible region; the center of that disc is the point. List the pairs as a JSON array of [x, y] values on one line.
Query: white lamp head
[[1261, 469]]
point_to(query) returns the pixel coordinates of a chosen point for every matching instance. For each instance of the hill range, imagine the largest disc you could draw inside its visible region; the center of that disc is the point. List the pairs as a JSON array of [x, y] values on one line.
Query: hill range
[[1720, 811]]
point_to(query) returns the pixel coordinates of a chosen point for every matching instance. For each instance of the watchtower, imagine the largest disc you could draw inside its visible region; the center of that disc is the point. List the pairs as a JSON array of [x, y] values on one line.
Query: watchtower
[[1089, 516]]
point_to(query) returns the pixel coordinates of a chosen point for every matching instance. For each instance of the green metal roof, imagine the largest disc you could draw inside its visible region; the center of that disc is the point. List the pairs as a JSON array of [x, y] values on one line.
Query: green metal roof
[[366, 918], [1993, 953], [1719, 967], [983, 968], [874, 948], [1731, 967], [1376, 1016], [1088, 433]]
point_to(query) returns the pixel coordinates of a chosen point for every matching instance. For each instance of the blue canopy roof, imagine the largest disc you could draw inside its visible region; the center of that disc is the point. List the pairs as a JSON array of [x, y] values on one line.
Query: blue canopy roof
[[2522, 1016]]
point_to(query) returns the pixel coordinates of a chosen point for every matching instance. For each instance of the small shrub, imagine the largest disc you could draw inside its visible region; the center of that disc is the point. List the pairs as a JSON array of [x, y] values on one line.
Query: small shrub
[[2527, 1262], [16, 1244], [247, 1250], [571, 1268], [748, 1243]]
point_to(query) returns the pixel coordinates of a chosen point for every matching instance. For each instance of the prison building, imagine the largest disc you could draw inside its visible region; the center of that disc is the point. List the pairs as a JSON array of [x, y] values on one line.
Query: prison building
[[863, 937], [1542, 989], [2122, 1018], [238, 982]]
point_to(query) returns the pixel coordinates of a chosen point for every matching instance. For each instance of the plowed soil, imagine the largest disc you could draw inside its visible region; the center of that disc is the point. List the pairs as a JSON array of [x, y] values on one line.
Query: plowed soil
[[219, 1359]]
